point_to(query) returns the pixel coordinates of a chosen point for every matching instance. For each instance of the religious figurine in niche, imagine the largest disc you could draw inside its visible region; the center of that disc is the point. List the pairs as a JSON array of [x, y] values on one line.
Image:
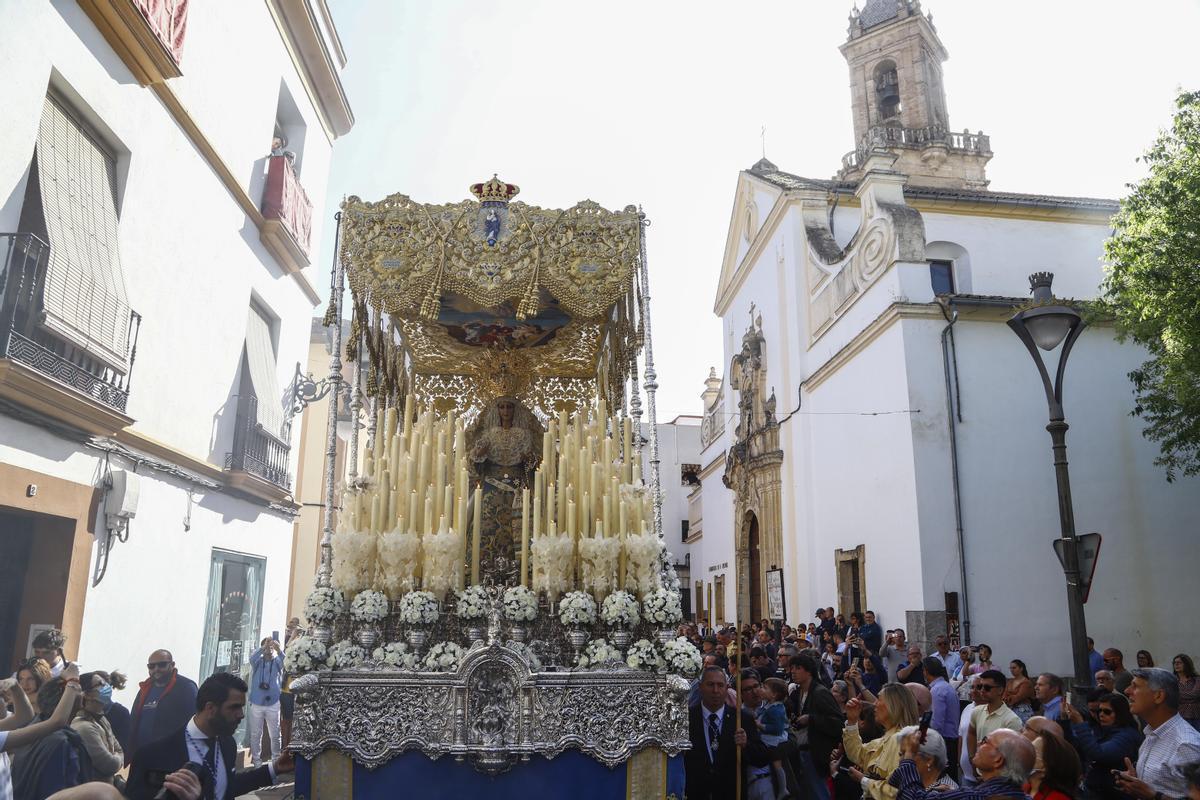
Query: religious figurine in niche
[[504, 449], [491, 226]]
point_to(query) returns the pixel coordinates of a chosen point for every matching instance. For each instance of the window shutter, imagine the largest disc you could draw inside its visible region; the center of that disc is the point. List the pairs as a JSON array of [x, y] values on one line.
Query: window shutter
[[260, 364], [84, 300]]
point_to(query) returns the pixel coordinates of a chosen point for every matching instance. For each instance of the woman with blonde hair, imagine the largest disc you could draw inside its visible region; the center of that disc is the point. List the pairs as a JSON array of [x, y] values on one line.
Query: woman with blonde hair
[[876, 760]]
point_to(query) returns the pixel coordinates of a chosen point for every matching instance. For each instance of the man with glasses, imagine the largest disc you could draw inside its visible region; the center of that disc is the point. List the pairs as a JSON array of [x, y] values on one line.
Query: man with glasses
[[1003, 761], [165, 701], [990, 714]]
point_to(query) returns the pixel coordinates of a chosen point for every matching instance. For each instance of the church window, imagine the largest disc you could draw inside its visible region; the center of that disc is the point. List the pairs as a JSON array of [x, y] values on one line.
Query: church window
[[887, 91], [941, 276]]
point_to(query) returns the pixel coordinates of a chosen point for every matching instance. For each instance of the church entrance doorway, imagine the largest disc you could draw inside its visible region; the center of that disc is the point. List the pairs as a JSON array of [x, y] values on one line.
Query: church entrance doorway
[[754, 584]]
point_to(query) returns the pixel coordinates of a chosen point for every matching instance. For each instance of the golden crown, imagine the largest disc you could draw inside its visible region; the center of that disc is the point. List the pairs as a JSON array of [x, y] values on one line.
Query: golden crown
[[495, 190]]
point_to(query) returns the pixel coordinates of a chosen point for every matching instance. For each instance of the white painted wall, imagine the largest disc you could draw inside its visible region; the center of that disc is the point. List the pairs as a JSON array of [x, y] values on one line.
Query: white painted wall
[[192, 261]]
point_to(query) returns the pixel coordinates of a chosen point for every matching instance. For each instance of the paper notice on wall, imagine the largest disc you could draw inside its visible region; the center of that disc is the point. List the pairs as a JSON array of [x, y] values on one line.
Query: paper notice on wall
[[224, 651]]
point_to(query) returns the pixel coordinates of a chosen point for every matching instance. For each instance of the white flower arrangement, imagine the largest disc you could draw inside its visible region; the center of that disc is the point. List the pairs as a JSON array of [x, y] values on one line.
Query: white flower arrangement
[[303, 654], [577, 608], [600, 557], [399, 555], [323, 605], [642, 553], [681, 657], [443, 657], [620, 609], [442, 557], [662, 606], [553, 564], [396, 655], [353, 560], [520, 604], [346, 654], [644, 655], [419, 608], [473, 603], [526, 652], [369, 606], [597, 653]]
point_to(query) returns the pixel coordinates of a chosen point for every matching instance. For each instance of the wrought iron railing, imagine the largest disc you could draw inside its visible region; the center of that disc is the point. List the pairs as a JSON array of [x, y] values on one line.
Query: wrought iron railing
[[22, 339], [885, 136], [285, 200], [257, 450]]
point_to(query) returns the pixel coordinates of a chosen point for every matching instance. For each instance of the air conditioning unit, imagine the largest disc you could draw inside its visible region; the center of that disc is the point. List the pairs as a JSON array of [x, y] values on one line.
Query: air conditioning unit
[[121, 499]]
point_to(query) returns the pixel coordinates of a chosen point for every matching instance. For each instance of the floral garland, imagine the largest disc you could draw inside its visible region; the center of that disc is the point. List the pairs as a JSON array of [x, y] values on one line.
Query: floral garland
[[304, 654], [369, 606], [662, 607], [526, 652], [473, 603], [346, 654], [323, 605], [353, 560], [399, 555], [642, 552], [644, 655], [441, 570], [600, 557], [419, 608], [597, 653], [577, 608], [444, 657], [620, 609], [520, 604], [682, 657], [553, 564], [396, 655]]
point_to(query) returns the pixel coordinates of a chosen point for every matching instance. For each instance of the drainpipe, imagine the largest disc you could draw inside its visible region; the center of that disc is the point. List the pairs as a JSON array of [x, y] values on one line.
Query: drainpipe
[[947, 337]]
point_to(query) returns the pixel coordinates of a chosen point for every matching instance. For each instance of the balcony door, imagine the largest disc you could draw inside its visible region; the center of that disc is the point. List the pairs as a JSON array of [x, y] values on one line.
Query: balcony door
[[233, 616]]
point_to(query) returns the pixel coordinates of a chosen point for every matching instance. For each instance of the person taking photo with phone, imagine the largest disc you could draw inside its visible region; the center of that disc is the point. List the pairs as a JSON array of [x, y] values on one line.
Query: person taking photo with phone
[[266, 683]]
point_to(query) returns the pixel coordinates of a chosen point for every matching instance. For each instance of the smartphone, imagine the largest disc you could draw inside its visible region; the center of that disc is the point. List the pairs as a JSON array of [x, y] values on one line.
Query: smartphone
[[843, 768], [926, 718]]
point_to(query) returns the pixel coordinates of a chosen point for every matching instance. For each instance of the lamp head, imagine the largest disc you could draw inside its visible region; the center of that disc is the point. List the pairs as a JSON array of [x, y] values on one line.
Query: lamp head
[[1047, 322]]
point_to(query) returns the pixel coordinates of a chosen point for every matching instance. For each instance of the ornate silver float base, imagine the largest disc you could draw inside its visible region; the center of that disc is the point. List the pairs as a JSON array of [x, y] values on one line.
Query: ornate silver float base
[[493, 711]]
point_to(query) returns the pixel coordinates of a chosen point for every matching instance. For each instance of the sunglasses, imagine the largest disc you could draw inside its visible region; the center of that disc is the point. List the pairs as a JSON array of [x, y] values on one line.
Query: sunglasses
[[1105, 711], [985, 687], [158, 664]]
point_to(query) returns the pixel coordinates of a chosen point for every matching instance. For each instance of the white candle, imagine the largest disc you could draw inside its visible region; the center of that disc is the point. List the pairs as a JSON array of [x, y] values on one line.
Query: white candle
[[478, 528], [524, 535]]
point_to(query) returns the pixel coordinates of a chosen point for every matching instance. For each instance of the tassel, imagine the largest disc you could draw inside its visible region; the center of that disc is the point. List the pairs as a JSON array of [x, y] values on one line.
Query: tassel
[[330, 314], [431, 306]]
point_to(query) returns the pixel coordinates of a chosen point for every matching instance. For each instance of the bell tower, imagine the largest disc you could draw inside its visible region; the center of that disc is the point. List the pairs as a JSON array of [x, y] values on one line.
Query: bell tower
[[898, 99]]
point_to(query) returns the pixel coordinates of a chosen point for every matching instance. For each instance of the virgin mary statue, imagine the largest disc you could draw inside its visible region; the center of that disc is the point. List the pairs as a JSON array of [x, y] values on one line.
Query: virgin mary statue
[[504, 447]]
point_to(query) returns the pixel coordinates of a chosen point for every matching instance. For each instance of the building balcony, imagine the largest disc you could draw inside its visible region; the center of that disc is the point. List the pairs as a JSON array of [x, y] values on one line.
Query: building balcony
[[47, 374], [288, 213], [258, 463], [933, 138], [147, 34]]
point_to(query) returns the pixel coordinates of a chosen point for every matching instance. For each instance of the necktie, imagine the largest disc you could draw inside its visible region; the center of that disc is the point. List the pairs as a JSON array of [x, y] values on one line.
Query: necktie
[[210, 764], [714, 736]]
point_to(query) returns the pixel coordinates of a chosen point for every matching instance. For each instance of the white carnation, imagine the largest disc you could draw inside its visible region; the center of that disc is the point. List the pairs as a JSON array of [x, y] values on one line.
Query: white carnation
[[620, 608], [346, 654], [323, 605], [303, 654], [369, 606], [419, 608], [443, 657], [597, 653], [577, 608], [473, 603], [520, 604], [682, 657], [662, 606], [644, 655]]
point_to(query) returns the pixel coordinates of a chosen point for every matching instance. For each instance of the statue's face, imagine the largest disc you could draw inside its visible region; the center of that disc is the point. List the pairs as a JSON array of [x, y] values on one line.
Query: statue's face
[[506, 409]]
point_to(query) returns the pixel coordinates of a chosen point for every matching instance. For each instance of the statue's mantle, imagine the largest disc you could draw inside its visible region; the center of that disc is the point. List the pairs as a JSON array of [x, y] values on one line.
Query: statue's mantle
[[493, 711]]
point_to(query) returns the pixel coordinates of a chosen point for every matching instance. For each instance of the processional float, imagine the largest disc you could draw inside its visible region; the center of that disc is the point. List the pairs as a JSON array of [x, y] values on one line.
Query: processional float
[[493, 585]]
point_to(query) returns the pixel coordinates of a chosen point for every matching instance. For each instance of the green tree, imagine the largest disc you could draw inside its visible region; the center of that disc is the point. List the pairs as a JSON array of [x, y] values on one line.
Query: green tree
[[1152, 288]]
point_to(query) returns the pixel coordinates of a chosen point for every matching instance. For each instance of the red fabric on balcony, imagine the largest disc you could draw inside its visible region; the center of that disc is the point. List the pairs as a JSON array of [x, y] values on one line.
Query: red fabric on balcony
[[284, 199], [168, 20]]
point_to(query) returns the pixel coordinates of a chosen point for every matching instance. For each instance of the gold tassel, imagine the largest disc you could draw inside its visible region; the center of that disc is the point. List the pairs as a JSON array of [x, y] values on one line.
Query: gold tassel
[[431, 306], [330, 314]]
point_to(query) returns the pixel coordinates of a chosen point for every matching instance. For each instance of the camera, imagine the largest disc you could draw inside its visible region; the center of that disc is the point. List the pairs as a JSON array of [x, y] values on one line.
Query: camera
[[263, 686]]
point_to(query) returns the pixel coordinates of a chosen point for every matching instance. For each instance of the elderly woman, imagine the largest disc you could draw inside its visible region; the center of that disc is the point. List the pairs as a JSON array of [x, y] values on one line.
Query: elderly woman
[[876, 760], [94, 729], [931, 758]]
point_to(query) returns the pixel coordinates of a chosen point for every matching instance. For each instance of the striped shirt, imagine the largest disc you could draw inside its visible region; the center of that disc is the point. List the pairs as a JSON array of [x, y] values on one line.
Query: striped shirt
[[1165, 751], [5, 773]]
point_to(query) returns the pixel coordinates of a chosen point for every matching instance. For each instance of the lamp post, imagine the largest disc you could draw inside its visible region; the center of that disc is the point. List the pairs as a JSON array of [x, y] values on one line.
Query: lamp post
[[1045, 325]]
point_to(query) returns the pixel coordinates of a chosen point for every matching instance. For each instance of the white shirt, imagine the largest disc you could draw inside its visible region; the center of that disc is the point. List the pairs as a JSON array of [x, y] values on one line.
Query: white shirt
[[704, 716], [964, 759], [1165, 751], [5, 774], [197, 742]]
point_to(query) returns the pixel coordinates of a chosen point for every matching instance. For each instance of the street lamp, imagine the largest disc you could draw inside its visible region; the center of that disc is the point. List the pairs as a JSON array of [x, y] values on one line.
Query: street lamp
[[1045, 325]]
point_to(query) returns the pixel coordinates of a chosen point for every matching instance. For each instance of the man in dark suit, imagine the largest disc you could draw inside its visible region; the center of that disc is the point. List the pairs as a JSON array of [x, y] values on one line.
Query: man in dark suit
[[711, 764], [817, 720], [207, 739]]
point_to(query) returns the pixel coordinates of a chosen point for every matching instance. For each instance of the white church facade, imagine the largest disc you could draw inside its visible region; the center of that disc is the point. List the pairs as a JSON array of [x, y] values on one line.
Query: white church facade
[[877, 436]]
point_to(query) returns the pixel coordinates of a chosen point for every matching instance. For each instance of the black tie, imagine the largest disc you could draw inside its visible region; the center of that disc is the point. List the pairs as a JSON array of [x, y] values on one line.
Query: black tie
[[714, 736], [210, 764]]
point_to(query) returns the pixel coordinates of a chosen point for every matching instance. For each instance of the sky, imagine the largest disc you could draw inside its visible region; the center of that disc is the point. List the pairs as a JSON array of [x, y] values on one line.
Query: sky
[[662, 103]]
